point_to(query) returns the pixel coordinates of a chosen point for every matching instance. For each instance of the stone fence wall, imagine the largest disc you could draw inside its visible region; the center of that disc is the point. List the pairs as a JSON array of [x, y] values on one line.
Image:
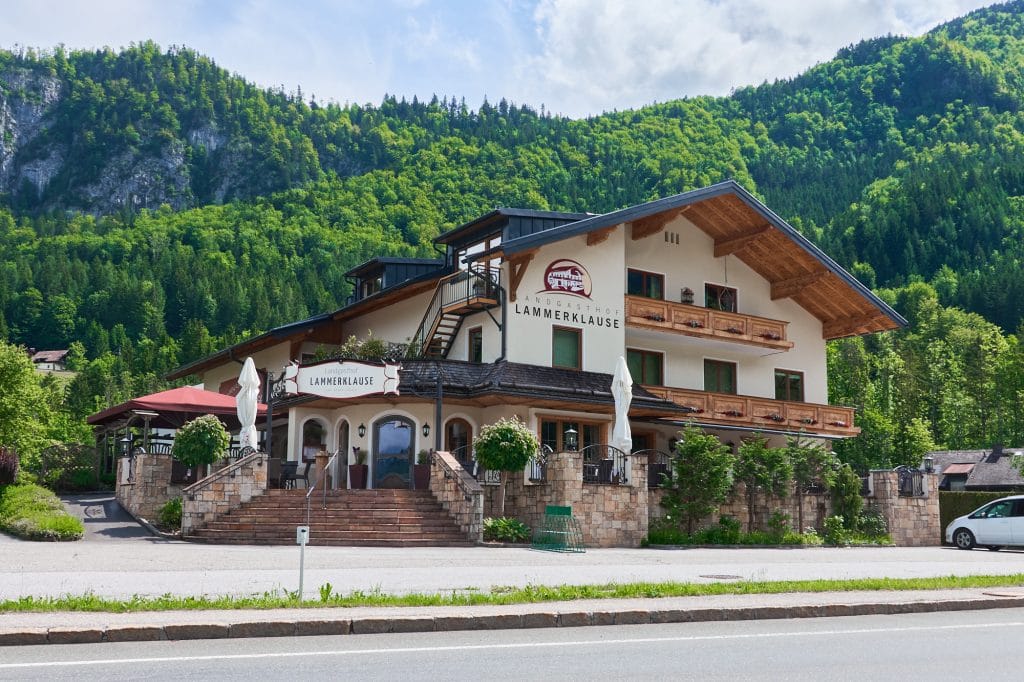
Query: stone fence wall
[[609, 515], [148, 487], [913, 521], [817, 506], [222, 491], [458, 493]]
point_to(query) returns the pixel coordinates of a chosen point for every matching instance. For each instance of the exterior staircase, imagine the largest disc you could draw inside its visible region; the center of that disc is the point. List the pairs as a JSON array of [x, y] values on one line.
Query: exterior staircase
[[456, 296], [370, 518]]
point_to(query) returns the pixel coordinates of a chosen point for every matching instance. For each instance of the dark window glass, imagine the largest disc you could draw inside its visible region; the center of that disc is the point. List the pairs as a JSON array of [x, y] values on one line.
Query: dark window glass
[[720, 298], [645, 367], [476, 344], [565, 347], [552, 434], [719, 377], [647, 284], [789, 385]]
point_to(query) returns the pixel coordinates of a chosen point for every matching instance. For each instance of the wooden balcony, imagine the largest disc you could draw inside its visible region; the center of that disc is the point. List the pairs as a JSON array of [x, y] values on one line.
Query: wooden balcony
[[778, 415], [707, 323]]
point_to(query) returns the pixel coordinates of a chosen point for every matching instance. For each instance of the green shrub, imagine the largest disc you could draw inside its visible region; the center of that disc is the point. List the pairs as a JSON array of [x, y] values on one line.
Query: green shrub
[[505, 529], [872, 523], [35, 513], [778, 524], [201, 441], [169, 515], [835, 531]]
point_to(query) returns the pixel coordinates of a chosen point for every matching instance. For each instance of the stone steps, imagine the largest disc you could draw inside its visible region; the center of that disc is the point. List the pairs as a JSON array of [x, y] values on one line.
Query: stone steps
[[378, 518]]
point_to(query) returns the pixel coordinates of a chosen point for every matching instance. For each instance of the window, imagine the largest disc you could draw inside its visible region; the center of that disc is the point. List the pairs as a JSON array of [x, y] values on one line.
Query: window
[[720, 298], [720, 377], [645, 366], [566, 347], [476, 345], [368, 287], [646, 284], [789, 385], [552, 433]]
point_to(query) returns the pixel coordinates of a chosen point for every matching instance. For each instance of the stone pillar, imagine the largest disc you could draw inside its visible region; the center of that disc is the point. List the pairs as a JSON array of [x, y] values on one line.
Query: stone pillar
[[321, 468]]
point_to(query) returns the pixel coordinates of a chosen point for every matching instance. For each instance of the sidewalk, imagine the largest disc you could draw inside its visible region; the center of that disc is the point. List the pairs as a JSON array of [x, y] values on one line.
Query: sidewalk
[[80, 628]]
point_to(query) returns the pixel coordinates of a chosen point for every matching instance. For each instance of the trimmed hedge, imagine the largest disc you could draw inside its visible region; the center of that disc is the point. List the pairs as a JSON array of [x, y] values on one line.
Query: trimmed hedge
[[32, 512], [955, 504]]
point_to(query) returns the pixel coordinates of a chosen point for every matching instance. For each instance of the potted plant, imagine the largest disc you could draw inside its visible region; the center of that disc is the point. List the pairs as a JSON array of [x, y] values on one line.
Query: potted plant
[[421, 470], [359, 472]]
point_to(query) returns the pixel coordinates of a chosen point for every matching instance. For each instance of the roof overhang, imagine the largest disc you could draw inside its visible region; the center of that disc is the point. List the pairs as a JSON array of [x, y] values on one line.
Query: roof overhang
[[743, 227]]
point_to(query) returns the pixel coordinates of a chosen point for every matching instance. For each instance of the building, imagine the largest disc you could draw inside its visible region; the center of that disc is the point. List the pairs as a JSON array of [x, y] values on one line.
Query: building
[[996, 470], [721, 308], [49, 360]]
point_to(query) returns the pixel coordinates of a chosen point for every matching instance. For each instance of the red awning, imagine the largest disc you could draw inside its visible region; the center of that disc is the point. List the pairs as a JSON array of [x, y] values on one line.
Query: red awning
[[176, 406], [959, 468]]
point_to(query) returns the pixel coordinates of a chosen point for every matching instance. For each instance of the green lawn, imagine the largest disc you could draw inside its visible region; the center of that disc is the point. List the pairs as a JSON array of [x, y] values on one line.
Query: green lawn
[[32, 512], [500, 595]]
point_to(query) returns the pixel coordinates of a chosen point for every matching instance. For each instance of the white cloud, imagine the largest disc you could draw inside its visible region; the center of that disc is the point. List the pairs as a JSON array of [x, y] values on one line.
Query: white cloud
[[577, 57], [605, 54]]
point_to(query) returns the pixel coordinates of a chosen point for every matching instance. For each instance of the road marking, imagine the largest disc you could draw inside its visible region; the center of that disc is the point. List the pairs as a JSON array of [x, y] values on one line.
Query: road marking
[[521, 645]]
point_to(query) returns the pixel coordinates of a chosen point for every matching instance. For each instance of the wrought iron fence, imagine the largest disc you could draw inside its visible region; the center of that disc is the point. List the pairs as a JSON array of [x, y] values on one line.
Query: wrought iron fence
[[659, 466], [604, 465], [911, 481], [539, 465], [467, 458]]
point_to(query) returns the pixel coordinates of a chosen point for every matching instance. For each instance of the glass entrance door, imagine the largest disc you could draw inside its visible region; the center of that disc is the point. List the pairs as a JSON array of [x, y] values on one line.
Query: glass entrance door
[[392, 452]]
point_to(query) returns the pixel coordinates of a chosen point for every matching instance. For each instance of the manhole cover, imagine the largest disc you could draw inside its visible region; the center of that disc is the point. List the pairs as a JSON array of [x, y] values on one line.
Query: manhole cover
[[720, 576]]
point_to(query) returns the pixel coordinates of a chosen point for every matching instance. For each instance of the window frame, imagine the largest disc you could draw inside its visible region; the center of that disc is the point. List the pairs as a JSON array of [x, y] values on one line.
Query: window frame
[[581, 426], [579, 346], [716, 292], [646, 277], [475, 333], [644, 355], [720, 365], [790, 374]]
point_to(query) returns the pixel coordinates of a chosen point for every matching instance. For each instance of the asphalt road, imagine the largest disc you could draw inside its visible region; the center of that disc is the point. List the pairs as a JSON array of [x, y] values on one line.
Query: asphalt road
[[936, 646]]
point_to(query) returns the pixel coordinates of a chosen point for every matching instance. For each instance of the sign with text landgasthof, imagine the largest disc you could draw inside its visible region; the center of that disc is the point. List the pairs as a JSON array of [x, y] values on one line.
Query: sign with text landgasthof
[[341, 380]]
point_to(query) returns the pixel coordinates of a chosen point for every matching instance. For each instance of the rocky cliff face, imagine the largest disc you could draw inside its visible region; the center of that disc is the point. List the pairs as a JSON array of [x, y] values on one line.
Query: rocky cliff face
[[25, 100]]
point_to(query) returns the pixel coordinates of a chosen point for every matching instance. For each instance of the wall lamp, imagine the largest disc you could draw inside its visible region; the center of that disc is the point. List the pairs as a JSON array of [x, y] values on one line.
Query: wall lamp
[[426, 430], [362, 430]]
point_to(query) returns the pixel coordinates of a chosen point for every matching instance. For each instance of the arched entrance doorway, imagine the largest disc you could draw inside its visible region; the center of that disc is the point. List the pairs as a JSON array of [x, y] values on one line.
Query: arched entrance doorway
[[340, 472], [393, 441], [458, 439]]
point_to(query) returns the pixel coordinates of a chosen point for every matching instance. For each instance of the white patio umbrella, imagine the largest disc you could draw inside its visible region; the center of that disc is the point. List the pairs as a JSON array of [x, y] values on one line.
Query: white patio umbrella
[[246, 403], [622, 391]]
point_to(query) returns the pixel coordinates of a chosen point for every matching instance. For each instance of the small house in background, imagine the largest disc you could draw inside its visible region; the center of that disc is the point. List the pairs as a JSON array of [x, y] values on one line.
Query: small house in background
[[995, 470], [49, 360]]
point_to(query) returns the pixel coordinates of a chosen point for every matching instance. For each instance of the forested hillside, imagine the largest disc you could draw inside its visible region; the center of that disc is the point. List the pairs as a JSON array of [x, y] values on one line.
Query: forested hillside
[[155, 207]]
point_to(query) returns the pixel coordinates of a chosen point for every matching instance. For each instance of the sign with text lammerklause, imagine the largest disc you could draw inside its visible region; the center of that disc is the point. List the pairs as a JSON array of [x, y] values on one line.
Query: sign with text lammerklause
[[346, 379]]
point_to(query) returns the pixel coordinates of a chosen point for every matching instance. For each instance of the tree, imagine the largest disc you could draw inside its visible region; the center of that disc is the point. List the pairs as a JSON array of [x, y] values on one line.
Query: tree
[[812, 464], [200, 441], [764, 468], [701, 477], [506, 445], [845, 487], [24, 408]]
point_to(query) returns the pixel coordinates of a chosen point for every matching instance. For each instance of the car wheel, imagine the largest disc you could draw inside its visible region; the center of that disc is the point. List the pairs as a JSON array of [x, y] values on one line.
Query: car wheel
[[963, 538], [994, 548]]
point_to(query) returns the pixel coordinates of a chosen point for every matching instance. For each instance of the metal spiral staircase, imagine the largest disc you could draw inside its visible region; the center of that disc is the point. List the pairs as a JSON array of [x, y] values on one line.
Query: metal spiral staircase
[[456, 296]]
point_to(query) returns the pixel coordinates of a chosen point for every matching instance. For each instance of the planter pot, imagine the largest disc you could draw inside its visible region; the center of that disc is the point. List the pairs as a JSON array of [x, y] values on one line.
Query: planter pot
[[421, 476], [357, 475]]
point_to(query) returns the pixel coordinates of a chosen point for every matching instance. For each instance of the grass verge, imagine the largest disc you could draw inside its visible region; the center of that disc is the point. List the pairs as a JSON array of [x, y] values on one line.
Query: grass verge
[[32, 512], [498, 595]]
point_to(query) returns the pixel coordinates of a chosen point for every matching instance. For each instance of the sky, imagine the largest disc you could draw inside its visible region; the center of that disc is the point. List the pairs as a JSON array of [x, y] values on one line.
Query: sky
[[573, 57]]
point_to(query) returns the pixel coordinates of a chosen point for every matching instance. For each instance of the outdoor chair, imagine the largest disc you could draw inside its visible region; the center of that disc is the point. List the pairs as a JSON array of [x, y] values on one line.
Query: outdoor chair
[[290, 474]]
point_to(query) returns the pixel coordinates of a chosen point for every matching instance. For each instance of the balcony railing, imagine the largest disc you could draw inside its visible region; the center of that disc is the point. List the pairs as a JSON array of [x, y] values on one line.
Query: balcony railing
[[727, 409], [691, 320]]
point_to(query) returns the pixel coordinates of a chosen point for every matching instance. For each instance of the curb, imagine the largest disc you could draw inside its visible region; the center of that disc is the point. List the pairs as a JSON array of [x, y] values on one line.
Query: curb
[[449, 623]]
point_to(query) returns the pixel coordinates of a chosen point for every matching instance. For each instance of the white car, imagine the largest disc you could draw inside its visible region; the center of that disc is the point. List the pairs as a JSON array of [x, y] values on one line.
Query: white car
[[994, 525]]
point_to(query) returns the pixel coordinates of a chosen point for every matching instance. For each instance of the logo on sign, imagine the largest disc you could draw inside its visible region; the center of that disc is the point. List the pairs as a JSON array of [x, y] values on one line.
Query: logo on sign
[[567, 277]]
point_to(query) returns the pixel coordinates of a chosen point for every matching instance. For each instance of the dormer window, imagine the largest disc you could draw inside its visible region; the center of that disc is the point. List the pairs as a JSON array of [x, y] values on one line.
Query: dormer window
[[370, 286]]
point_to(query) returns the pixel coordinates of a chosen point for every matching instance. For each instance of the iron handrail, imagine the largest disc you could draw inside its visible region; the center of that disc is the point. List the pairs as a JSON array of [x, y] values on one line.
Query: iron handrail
[[658, 462], [312, 488]]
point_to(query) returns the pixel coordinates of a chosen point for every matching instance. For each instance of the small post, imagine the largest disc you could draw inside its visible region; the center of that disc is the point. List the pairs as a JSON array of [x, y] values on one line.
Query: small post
[[301, 538]]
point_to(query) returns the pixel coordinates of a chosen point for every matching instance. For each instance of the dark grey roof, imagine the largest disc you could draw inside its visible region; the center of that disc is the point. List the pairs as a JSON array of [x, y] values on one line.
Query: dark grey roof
[[499, 213], [373, 262], [988, 472], [686, 198]]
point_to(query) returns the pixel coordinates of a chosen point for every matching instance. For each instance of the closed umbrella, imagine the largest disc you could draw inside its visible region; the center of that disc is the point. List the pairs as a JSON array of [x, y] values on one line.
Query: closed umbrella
[[622, 391], [246, 403]]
